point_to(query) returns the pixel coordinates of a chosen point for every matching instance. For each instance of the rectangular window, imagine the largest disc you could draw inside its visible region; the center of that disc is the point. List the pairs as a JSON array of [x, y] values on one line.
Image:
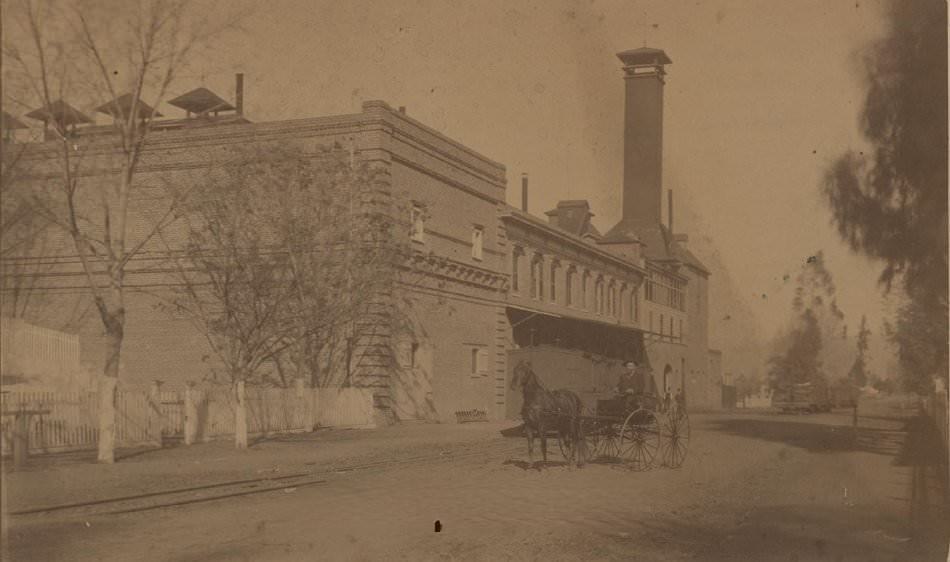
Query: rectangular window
[[479, 361], [569, 288], [514, 270], [662, 325], [417, 221], [477, 236], [681, 329], [584, 291], [671, 328], [635, 304], [651, 321]]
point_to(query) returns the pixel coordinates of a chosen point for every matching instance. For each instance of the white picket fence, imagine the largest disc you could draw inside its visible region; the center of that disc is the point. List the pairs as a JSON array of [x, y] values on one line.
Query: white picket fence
[[69, 421], [34, 351]]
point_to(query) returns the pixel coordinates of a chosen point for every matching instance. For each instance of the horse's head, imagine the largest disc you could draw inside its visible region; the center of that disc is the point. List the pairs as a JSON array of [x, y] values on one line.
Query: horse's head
[[522, 374]]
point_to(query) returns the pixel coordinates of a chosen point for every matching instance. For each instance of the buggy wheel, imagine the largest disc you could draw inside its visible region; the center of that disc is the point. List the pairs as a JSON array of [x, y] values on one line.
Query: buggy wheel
[[566, 444], [675, 443], [593, 439], [640, 439]]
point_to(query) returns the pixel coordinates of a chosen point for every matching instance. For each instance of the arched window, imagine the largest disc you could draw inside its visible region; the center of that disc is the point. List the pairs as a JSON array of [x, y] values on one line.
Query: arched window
[[585, 283], [599, 295], [516, 254], [569, 286], [537, 277]]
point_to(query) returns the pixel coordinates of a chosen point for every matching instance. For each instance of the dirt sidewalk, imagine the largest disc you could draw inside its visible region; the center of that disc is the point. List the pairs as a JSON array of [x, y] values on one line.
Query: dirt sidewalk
[[76, 477]]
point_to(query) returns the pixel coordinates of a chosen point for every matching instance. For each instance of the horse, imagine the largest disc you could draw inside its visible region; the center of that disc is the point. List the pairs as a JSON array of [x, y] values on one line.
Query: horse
[[542, 407]]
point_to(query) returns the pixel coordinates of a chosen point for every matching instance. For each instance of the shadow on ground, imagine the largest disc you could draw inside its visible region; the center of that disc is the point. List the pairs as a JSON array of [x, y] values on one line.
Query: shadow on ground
[[814, 436], [787, 532]]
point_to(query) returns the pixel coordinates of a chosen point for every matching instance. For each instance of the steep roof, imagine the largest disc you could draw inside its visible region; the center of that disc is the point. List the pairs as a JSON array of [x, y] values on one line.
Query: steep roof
[[120, 107], [658, 243], [573, 215], [60, 112], [201, 100], [11, 122]]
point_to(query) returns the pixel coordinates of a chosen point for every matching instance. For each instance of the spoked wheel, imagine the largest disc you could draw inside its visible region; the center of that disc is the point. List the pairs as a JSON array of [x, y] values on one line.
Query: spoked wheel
[[675, 443], [594, 439], [567, 446], [640, 439]]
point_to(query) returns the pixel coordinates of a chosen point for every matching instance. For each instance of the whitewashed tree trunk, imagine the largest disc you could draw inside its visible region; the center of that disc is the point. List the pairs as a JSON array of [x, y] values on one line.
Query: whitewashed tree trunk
[[156, 421], [107, 397], [191, 414], [240, 417]]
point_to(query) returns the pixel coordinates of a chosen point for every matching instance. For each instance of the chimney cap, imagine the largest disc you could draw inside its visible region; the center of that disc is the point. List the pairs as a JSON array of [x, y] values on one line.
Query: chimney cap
[[644, 56]]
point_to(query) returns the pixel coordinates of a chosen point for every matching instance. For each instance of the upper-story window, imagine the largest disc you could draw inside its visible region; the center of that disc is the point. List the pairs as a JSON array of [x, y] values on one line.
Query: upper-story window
[[479, 363], [635, 304], [610, 299], [681, 329], [662, 325], [553, 292], [569, 286], [585, 282], [621, 300], [417, 223], [478, 234], [599, 295], [537, 277], [516, 254], [665, 289]]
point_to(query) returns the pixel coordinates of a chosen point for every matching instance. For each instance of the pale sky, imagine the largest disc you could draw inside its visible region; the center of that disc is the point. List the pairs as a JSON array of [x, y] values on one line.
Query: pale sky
[[760, 97]]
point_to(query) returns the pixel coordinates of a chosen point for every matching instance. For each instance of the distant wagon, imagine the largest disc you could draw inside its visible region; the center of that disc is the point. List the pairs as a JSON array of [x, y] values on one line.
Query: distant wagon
[[802, 398]]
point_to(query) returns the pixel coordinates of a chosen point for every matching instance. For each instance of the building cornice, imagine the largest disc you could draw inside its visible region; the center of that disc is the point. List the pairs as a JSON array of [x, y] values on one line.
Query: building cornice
[[512, 215]]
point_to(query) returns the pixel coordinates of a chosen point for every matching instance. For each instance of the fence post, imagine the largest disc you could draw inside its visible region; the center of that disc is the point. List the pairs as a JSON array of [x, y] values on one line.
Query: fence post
[[240, 416], [191, 413], [300, 402], [156, 422]]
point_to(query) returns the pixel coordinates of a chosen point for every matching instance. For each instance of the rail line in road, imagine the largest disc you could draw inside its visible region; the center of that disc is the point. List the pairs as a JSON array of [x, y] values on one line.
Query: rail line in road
[[222, 490]]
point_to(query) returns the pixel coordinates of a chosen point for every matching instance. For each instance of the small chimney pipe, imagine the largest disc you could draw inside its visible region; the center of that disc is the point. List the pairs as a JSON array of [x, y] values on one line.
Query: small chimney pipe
[[524, 192], [239, 93], [669, 195]]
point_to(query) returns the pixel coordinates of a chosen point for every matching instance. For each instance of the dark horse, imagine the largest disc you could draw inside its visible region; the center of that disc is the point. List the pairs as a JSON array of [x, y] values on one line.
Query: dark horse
[[543, 409]]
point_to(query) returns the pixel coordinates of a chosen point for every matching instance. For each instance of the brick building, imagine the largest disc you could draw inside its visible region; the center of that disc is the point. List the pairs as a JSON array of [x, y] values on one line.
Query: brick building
[[497, 283]]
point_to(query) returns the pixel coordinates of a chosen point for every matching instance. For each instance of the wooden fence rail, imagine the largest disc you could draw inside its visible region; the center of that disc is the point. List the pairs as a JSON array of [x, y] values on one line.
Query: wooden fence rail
[[71, 419]]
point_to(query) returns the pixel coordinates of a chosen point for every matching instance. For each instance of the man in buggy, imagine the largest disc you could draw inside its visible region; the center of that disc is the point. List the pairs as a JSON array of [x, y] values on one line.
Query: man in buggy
[[636, 387]]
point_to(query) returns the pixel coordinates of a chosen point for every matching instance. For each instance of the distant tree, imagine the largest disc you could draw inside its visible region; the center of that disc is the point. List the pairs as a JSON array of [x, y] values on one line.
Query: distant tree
[[891, 204], [747, 385], [858, 374], [816, 291], [799, 363]]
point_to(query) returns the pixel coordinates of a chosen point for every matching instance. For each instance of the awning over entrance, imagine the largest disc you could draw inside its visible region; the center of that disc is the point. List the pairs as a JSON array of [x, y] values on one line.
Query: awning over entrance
[[535, 328]]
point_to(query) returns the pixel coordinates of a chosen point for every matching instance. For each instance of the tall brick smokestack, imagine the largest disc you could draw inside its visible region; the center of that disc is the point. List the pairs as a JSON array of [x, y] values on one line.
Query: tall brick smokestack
[[643, 134]]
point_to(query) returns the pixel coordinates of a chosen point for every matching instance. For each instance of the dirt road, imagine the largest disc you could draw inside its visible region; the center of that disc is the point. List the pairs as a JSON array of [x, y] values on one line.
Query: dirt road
[[753, 488]]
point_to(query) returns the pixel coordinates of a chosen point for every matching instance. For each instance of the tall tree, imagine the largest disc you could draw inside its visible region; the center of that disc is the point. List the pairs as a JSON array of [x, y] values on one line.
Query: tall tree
[[73, 51], [285, 257], [891, 204], [858, 374]]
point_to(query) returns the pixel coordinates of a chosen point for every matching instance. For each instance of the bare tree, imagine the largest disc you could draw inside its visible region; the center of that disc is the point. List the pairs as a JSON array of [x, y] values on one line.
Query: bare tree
[[288, 256], [84, 183]]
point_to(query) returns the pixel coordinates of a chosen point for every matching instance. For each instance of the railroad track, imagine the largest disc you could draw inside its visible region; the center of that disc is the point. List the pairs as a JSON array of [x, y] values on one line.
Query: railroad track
[[223, 490]]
